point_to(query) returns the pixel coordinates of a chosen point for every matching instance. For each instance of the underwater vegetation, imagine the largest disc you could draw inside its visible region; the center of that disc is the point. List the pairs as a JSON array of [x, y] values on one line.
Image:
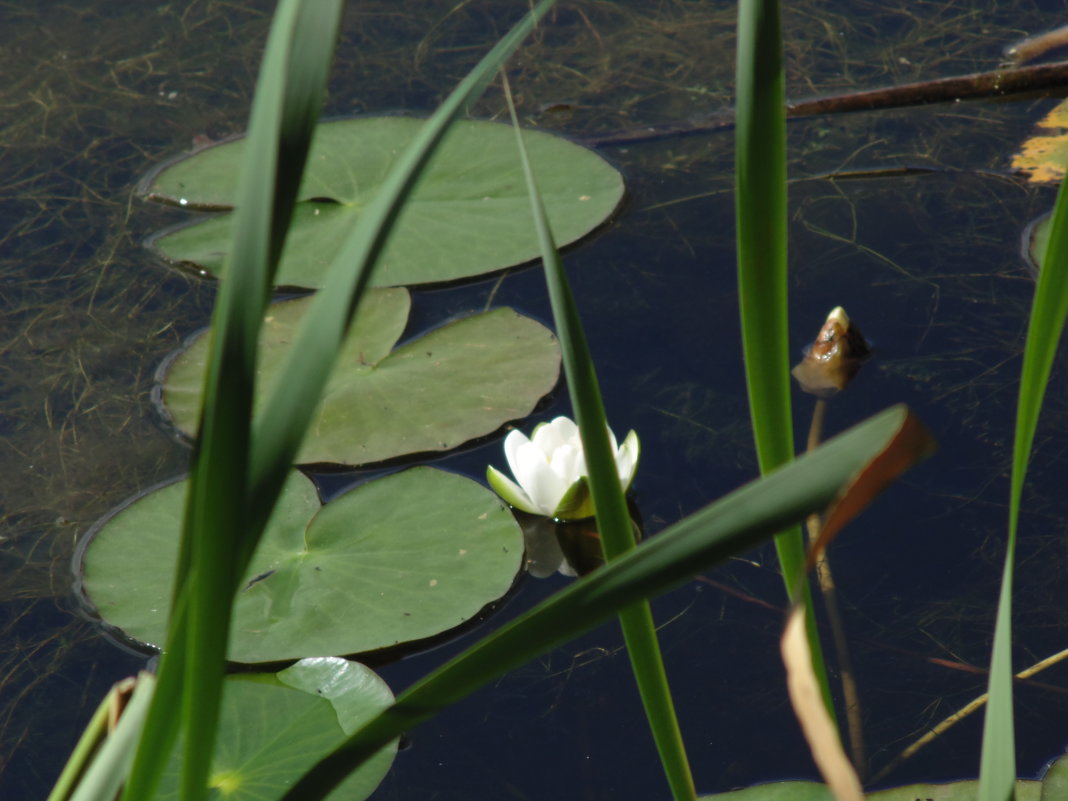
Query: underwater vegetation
[[688, 422]]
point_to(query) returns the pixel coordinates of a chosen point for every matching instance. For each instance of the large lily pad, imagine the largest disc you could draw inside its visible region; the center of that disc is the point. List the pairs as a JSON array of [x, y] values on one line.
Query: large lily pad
[[274, 727], [1026, 790], [457, 382], [397, 559], [468, 215], [1053, 785]]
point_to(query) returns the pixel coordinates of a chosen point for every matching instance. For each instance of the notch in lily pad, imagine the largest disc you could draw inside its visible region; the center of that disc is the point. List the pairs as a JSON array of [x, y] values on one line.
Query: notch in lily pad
[[399, 559], [458, 382], [468, 215]]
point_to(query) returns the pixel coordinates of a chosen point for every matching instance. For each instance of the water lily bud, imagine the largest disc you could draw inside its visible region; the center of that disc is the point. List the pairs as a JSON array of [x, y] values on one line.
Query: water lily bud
[[550, 470], [833, 358]]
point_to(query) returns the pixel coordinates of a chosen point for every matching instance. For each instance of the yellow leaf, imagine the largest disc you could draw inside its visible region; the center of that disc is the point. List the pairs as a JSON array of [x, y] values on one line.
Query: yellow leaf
[[1043, 156], [816, 723]]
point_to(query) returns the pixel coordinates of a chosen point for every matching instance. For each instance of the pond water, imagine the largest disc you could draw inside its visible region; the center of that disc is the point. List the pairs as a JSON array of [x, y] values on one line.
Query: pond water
[[927, 265]]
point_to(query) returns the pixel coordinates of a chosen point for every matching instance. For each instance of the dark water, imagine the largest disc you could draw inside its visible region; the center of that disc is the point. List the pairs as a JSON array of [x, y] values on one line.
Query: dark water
[[927, 265]]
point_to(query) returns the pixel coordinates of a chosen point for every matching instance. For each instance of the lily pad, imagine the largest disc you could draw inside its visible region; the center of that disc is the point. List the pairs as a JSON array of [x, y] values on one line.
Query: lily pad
[[1052, 786], [811, 791], [274, 727], [1042, 157], [460, 381], [401, 558], [468, 215]]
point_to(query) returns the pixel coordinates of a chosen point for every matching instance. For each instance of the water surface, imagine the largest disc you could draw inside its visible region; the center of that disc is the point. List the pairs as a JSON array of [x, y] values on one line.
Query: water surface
[[95, 94]]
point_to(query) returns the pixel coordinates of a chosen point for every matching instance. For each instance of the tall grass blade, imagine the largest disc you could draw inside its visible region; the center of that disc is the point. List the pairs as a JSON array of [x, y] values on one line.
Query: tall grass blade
[[103, 777], [280, 428], [997, 772], [760, 201], [760, 209], [280, 133], [290, 95], [729, 526], [284, 113], [91, 746], [613, 519]]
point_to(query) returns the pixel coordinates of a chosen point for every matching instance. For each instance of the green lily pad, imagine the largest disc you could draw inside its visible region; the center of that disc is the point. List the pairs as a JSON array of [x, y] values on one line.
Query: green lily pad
[[1055, 781], [468, 215], [1052, 786], [274, 727], [401, 558], [812, 791], [455, 383]]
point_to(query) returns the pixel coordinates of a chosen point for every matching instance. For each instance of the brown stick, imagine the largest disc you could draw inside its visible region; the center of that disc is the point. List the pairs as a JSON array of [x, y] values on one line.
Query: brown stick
[[976, 703], [1016, 82], [1034, 47], [846, 675]]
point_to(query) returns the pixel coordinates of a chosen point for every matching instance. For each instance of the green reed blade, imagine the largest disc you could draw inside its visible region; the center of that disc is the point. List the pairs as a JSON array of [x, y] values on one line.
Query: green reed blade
[[997, 773], [216, 514], [760, 213], [160, 732], [760, 202], [726, 527], [609, 500], [103, 776], [233, 492], [88, 747], [284, 113], [280, 428]]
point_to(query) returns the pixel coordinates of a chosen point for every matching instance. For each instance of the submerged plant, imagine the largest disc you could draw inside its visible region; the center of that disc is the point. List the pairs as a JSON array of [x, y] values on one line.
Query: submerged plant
[[244, 453]]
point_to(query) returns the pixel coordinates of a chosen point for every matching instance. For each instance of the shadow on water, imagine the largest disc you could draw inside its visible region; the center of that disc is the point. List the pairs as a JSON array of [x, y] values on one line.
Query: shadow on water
[[926, 264]]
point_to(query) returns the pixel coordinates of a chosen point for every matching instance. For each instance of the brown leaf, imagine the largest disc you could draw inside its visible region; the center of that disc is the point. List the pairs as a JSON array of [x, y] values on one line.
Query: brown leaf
[[807, 700], [911, 443]]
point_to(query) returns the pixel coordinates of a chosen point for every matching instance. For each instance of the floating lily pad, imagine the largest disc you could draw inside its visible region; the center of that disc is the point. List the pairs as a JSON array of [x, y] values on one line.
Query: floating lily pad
[[468, 215], [453, 384], [1043, 156], [397, 559], [811, 791], [1054, 785], [274, 727]]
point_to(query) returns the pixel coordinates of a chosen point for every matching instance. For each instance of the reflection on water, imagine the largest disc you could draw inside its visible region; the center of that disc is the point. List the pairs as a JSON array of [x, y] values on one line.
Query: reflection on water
[[927, 265]]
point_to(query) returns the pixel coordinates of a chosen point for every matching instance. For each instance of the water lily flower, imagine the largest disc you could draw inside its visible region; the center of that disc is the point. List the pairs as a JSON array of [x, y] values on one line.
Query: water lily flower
[[550, 469]]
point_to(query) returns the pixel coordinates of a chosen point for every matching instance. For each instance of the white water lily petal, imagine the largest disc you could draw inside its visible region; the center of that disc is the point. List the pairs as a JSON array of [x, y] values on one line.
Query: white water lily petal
[[544, 437], [554, 434], [627, 459], [550, 464], [533, 473], [512, 443], [565, 461], [579, 468]]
